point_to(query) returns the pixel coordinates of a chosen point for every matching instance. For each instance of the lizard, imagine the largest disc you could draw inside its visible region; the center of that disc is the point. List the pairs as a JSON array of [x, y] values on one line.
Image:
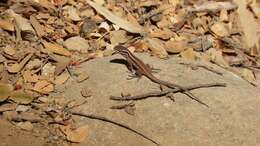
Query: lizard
[[144, 69]]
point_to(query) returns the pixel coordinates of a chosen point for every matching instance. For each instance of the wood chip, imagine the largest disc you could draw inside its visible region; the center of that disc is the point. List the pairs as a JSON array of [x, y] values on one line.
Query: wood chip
[[56, 48], [44, 87]]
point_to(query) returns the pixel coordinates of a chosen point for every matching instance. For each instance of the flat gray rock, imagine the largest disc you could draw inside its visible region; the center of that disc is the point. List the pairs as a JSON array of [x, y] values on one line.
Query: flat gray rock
[[232, 119]]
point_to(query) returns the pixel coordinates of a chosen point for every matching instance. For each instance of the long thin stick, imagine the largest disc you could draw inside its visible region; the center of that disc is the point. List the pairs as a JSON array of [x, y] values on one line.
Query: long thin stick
[[101, 118], [165, 92]]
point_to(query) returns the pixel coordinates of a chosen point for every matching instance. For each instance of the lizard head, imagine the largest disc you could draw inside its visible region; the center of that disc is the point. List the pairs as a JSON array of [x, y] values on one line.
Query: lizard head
[[121, 50]]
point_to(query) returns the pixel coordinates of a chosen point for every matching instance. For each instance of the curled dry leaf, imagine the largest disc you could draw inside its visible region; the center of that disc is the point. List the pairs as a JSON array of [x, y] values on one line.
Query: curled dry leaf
[[77, 135], [56, 48], [104, 26], [44, 87], [15, 67], [115, 19], [5, 91], [21, 97], [10, 50]]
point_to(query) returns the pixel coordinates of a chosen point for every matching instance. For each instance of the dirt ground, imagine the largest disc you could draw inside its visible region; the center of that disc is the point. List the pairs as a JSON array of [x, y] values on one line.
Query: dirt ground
[[232, 118]]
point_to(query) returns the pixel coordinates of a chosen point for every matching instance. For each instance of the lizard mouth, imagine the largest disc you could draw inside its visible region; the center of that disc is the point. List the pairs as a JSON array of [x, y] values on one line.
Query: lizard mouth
[[115, 52]]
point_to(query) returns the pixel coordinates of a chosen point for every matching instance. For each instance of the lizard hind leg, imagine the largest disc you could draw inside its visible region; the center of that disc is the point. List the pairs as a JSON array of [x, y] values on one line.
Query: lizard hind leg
[[152, 69]]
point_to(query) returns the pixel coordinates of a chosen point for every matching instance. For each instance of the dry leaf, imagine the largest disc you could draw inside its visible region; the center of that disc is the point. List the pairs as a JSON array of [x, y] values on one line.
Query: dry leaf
[[157, 47], [37, 26], [210, 6], [44, 87], [163, 34], [115, 19], [48, 71], [6, 25], [188, 54], [118, 36], [21, 97], [255, 6], [62, 78], [220, 29], [5, 91], [23, 25], [47, 4], [25, 125], [23, 108], [223, 16], [248, 75], [217, 57], [82, 77], [29, 77], [248, 24], [77, 43], [72, 13], [77, 135], [56, 48], [175, 46], [62, 63], [33, 64], [7, 107]]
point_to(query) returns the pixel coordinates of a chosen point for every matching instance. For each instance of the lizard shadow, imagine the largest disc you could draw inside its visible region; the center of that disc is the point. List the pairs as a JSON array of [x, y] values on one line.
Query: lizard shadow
[[119, 61], [133, 74]]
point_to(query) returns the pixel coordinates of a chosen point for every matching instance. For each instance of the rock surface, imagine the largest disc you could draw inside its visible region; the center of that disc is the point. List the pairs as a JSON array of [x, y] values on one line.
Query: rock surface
[[232, 119]]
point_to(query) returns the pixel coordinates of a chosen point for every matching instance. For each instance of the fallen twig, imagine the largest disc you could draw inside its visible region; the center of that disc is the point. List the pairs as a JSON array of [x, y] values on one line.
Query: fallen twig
[[101, 118], [211, 69], [165, 92]]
